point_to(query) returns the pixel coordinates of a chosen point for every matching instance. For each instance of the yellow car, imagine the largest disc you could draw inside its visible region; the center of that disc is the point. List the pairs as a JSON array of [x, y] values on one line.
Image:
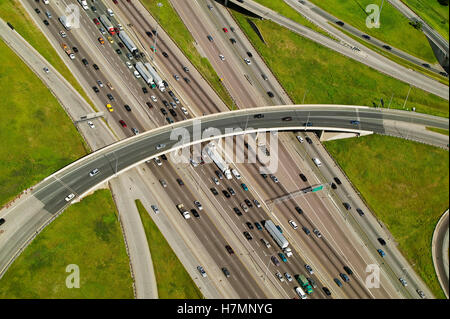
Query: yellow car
[[100, 39], [109, 107], [110, 40]]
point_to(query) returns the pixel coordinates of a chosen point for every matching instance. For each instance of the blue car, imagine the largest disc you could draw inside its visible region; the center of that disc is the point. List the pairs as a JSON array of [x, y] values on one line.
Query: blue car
[[382, 253], [244, 187], [354, 122], [283, 258]]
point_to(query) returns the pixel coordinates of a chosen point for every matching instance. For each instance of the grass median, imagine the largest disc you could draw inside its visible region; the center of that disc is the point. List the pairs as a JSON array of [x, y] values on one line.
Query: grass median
[[394, 26], [12, 11], [406, 185], [88, 235], [313, 74], [172, 280], [37, 136], [174, 26]]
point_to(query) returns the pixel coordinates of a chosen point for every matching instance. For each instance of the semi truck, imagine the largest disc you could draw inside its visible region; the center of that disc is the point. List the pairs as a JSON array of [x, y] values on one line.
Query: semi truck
[[128, 43], [183, 211], [68, 51], [156, 78], [107, 24], [218, 160], [84, 4], [276, 234], [143, 72], [64, 21], [301, 279]]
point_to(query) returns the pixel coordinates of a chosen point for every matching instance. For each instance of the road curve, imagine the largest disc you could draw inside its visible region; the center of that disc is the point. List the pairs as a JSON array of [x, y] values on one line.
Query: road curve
[[440, 252]]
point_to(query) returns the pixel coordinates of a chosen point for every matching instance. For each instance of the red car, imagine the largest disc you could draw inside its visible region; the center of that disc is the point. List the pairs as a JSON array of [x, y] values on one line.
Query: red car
[[117, 30], [96, 21], [225, 30], [122, 122], [115, 1]]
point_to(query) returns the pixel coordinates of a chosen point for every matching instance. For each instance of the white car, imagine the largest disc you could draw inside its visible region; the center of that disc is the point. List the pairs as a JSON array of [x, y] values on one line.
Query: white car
[[288, 276], [247, 61], [160, 146], [100, 84], [244, 207], [236, 173], [153, 98], [62, 34], [110, 12], [317, 232], [257, 204], [163, 183], [202, 271], [199, 206], [403, 281], [279, 276], [46, 70], [91, 125], [300, 139], [158, 161], [45, 1], [309, 269], [185, 112], [120, 27], [94, 172], [155, 209], [293, 224], [69, 197], [129, 65], [215, 180], [136, 74], [222, 57], [274, 178], [176, 77]]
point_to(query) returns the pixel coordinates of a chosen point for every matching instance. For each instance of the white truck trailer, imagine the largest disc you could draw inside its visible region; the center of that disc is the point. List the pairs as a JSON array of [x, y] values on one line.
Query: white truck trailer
[[127, 41], [218, 160], [143, 72], [156, 78], [276, 234]]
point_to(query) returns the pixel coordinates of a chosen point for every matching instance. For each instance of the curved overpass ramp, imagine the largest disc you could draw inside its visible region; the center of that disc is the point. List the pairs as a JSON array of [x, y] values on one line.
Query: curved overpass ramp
[[48, 198]]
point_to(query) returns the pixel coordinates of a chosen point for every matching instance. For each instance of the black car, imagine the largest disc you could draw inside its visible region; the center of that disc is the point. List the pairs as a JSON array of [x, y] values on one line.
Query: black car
[[237, 211], [46, 22], [94, 9], [164, 157], [249, 54], [165, 54], [110, 97], [248, 202], [144, 89], [180, 182], [165, 84], [443, 73], [169, 120], [347, 206], [360, 212], [127, 107], [187, 80], [303, 177], [96, 90], [163, 111], [326, 291], [270, 94], [306, 230], [149, 105], [2, 221], [227, 195], [249, 225], [229, 249], [37, 10], [85, 62], [232, 40], [121, 44], [348, 270], [426, 65], [219, 174], [195, 213], [337, 180], [75, 49], [299, 210], [171, 93], [185, 69], [365, 36], [258, 116], [308, 140], [118, 51], [308, 124], [231, 190], [387, 47], [333, 186], [149, 33], [174, 114], [340, 23], [165, 103], [344, 277], [382, 241], [214, 191], [264, 175], [247, 235], [95, 66], [265, 78]]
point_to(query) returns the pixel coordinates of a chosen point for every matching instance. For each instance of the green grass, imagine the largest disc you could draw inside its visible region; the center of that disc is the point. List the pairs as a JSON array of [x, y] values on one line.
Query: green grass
[[406, 185], [438, 130], [173, 281], [87, 234], [174, 26], [394, 26], [327, 77], [433, 13], [37, 137], [12, 11]]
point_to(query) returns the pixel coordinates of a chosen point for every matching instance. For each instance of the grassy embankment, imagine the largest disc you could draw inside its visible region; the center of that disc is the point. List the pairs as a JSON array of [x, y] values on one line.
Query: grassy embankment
[[172, 279], [88, 235]]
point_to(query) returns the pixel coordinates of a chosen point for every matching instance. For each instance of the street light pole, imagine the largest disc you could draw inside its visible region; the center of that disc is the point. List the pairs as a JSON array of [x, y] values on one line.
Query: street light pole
[[159, 4]]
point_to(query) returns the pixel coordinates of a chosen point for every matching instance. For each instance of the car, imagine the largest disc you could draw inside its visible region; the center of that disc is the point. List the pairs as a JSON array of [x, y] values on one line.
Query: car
[[129, 55], [309, 269], [420, 293], [258, 226], [326, 291], [94, 9], [169, 120], [249, 225], [164, 157], [381, 252], [176, 77], [173, 113], [37, 10], [231, 28], [443, 73], [75, 49], [195, 213], [115, 1], [109, 107], [202, 271], [387, 47], [155, 209], [214, 191], [102, 31], [344, 277], [110, 86], [110, 97], [317, 232], [306, 230], [365, 36], [308, 140], [160, 146], [118, 51], [360, 212], [122, 122], [62, 34], [101, 40], [231, 190], [308, 124], [219, 174], [144, 89], [265, 78], [338, 282], [148, 33], [247, 61], [237, 211], [100, 83], [236, 173], [180, 181], [244, 187], [96, 21], [198, 204], [288, 276], [2, 221], [95, 66], [244, 207], [165, 84], [154, 99], [258, 116], [248, 236], [312, 282], [283, 257], [248, 203], [225, 30], [221, 57], [426, 65], [381, 241], [274, 178], [338, 181], [85, 62], [257, 204], [215, 180], [48, 14], [303, 177], [333, 186], [264, 175], [185, 112], [163, 183], [279, 276], [45, 22], [293, 224], [275, 260], [249, 54], [225, 272], [265, 243], [347, 206], [96, 90], [94, 172], [232, 40], [340, 23], [287, 118], [135, 131], [299, 210], [403, 281], [68, 197], [163, 111], [91, 125], [353, 122], [210, 38], [157, 161], [229, 249], [165, 54], [348, 270], [121, 45]]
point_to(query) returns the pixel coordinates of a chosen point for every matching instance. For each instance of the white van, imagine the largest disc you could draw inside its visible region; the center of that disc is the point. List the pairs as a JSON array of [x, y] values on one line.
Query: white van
[[300, 293], [317, 161], [293, 224], [110, 12], [300, 139]]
